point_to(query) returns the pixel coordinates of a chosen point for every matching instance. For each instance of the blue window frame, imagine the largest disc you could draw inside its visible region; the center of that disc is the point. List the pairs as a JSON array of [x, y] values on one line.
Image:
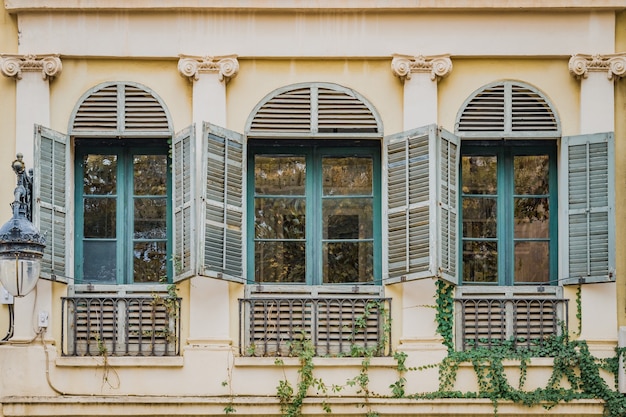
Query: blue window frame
[[509, 212], [314, 212], [123, 212]]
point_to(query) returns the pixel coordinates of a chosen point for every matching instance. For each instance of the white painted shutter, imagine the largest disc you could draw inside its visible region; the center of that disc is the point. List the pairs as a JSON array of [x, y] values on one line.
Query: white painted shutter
[[184, 202], [222, 216], [50, 197], [587, 236], [421, 186]]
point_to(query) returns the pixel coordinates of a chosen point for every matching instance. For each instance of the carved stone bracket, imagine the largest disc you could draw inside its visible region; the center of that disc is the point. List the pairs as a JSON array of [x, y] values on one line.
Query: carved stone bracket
[[438, 66], [227, 67], [613, 64], [14, 65]]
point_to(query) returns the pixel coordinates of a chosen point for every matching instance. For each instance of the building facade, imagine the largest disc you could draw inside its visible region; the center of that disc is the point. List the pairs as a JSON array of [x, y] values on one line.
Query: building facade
[[295, 208]]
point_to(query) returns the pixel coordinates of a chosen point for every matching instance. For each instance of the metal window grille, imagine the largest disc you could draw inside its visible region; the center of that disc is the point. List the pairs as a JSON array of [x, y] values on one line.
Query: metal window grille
[[525, 322], [147, 325], [336, 326]]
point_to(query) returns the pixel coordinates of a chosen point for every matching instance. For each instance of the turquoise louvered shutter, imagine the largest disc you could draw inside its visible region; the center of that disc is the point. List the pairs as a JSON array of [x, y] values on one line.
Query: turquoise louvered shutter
[[50, 197], [588, 224], [184, 203], [421, 186], [223, 202]]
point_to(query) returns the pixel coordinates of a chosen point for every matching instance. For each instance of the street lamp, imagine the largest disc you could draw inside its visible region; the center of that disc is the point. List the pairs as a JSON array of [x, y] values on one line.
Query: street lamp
[[21, 244]]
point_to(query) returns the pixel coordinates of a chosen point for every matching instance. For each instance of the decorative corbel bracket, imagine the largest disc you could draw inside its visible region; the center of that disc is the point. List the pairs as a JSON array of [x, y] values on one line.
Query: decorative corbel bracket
[[14, 65], [226, 67], [613, 64], [438, 66]]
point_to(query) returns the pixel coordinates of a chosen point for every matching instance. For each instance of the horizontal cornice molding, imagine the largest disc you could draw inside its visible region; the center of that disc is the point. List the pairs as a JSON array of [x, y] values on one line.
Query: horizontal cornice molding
[[301, 5]]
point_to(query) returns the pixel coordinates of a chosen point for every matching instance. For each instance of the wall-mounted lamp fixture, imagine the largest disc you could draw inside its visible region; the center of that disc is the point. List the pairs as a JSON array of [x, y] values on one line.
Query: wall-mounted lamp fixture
[[21, 244]]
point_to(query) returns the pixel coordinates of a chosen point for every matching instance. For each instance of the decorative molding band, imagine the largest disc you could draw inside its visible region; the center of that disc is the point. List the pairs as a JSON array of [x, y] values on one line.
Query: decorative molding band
[[14, 65], [438, 66], [226, 66], [613, 64]]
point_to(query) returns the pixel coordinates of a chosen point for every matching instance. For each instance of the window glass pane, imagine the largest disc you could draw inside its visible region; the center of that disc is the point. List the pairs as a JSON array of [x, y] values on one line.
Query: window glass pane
[[531, 174], [279, 174], [150, 218], [347, 218], [532, 262], [99, 217], [348, 262], [479, 217], [279, 218], [349, 175], [150, 174], [279, 262], [149, 262], [100, 262], [99, 174], [532, 218], [480, 174], [480, 261]]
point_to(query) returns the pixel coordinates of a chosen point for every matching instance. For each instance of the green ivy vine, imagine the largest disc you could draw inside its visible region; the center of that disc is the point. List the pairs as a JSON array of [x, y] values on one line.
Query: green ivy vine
[[576, 373]]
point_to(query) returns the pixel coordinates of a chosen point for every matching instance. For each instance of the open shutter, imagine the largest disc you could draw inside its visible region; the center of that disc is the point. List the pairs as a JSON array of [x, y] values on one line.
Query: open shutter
[[183, 179], [50, 197], [448, 201], [422, 172], [222, 216], [588, 220]]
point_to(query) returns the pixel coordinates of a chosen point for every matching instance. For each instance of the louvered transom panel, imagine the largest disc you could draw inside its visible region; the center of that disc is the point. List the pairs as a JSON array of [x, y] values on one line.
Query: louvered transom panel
[[286, 112], [314, 109], [529, 111], [340, 112], [142, 111], [508, 108], [335, 326], [523, 322], [485, 112], [99, 111], [119, 109]]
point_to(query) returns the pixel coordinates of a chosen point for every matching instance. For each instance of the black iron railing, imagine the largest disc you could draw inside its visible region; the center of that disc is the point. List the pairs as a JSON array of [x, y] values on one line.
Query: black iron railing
[[147, 325], [524, 322], [346, 326]]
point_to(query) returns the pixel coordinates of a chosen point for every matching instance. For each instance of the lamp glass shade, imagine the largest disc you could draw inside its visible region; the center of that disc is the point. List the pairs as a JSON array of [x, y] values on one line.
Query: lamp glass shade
[[19, 275]]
